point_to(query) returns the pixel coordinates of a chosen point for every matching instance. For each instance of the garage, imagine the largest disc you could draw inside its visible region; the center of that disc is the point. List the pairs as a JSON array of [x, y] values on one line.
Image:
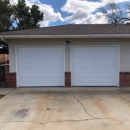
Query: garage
[[95, 65], [40, 66]]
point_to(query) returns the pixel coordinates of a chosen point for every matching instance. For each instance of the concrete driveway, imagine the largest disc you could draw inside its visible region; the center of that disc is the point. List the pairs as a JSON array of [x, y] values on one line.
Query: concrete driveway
[[66, 109]]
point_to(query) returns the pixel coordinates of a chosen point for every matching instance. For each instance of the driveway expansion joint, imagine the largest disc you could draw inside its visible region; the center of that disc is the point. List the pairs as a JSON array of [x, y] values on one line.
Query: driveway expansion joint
[[81, 120], [25, 122], [83, 107], [125, 90], [10, 92], [62, 121]]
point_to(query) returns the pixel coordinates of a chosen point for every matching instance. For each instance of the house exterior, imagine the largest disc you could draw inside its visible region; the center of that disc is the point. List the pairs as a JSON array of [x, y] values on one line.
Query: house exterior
[[69, 55]]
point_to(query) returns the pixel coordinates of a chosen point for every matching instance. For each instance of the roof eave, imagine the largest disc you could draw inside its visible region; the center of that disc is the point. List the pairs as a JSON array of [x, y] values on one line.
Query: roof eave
[[67, 36]]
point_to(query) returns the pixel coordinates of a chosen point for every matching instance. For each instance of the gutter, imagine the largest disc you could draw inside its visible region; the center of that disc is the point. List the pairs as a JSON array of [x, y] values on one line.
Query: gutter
[[66, 36]]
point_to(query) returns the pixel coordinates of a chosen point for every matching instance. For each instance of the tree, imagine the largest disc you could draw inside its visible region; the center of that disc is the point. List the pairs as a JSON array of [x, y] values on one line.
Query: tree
[[21, 15], [113, 13], [5, 15], [26, 17], [36, 16]]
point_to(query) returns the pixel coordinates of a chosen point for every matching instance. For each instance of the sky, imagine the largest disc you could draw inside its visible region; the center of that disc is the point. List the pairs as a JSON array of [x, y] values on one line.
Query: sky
[[60, 12]]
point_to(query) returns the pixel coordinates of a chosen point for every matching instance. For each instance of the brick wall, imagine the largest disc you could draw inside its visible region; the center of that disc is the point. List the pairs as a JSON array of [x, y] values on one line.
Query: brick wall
[[10, 78], [67, 79], [124, 79]]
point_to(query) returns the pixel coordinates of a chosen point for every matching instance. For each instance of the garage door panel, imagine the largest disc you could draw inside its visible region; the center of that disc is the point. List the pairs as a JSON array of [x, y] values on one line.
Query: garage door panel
[[84, 77], [51, 77], [30, 76], [109, 70], [94, 65], [28, 71], [82, 49], [53, 83], [28, 66], [82, 61], [81, 72], [40, 66], [77, 66], [28, 52], [51, 71], [103, 77], [29, 61], [104, 83], [103, 60], [51, 60], [29, 82], [82, 82], [51, 64]]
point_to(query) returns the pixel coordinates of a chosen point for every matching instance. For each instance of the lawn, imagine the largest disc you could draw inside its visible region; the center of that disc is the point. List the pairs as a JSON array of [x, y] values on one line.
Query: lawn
[[1, 96]]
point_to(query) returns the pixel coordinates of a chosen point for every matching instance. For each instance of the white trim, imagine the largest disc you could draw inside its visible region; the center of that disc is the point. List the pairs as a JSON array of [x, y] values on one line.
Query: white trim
[[118, 46], [67, 36], [19, 46], [71, 62], [118, 66], [17, 83], [64, 65]]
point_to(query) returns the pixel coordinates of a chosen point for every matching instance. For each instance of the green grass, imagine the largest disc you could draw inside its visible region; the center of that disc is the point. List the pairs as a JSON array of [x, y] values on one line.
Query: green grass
[[1, 96]]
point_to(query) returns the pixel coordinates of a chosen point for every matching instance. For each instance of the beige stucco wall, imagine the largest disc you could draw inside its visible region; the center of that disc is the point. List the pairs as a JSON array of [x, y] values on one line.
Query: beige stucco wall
[[123, 43]]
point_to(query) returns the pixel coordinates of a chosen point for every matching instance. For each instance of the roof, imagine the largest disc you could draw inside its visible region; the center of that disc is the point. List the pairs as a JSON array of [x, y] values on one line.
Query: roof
[[74, 29]]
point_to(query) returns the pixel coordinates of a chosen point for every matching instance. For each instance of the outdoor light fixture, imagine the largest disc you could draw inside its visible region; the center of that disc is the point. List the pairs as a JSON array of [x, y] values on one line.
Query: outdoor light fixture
[[67, 42]]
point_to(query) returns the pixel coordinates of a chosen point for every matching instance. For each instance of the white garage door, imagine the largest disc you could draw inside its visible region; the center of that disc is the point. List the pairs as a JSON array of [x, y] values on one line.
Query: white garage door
[[40, 66], [94, 66]]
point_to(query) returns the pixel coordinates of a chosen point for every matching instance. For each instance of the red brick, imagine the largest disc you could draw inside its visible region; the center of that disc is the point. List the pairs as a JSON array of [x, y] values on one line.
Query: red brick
[[124, 79], [10, 78], [67, 79]]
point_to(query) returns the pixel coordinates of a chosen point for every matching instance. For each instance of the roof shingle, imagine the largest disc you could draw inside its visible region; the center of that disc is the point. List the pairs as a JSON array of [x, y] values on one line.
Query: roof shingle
[[74, 29]]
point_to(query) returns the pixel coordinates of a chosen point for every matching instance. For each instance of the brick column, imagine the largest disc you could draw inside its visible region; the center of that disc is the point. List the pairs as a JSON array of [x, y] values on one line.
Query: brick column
[[124, 79], [67, 79], [10, 78]]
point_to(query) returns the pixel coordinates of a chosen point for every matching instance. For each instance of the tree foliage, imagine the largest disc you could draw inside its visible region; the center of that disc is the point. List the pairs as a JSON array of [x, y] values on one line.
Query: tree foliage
[[19, 16], [27, 17], [36, 16], [5, 15], [114, 13]]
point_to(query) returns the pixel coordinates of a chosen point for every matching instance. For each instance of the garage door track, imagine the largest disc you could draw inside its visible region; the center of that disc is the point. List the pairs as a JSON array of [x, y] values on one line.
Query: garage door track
[[100, 108]]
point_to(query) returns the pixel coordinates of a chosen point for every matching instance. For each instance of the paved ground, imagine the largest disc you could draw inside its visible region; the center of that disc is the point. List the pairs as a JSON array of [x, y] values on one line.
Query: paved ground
[[66, 109], [5, 91]]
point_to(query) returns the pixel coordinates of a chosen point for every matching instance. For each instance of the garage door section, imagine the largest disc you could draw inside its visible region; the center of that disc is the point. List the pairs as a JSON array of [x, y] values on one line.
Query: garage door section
[[94, 66], [40, 66]]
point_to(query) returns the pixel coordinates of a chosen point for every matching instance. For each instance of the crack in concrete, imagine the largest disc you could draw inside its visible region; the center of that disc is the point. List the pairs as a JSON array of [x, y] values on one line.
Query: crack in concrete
[[93, 118], [83, 107], [106, 119]]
